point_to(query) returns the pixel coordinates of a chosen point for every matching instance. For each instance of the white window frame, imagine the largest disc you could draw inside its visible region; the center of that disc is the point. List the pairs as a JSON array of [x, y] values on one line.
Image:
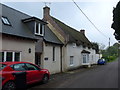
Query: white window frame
[[72, 59], [39, 25], [5, 20], [13, 56], [86, 56], [5, 55]]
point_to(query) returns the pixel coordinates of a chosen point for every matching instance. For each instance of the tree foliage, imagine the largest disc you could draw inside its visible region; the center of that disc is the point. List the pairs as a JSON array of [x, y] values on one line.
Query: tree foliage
[[111, 52], [116, 21], [96, 47]]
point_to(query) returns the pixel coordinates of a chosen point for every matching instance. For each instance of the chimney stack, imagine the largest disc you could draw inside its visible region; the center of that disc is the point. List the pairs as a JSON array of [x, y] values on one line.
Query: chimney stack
[[46, 12], [82, 31]]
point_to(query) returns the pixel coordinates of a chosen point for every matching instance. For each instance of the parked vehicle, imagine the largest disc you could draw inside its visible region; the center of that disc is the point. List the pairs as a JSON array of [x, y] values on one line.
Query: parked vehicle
[[33, 73], [101, 62]]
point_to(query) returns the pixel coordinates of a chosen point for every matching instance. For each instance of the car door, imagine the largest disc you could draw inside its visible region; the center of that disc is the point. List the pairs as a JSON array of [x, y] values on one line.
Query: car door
[[33, 73]]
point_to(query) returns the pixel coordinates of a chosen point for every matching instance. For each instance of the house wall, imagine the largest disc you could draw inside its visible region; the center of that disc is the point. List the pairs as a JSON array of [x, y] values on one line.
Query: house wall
[[70, 50], [0, 41], [97, 57], [19, 44], [92, 56], [47, 57]]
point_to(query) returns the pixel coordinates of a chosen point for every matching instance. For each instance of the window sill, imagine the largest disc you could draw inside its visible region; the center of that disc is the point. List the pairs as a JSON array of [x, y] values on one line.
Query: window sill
[[38, 34], [72, 65], [54, 61], [85, 63]]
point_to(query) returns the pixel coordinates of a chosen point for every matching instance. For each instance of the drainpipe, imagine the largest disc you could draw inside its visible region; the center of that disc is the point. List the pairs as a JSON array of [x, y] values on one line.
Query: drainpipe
[[61, 58]]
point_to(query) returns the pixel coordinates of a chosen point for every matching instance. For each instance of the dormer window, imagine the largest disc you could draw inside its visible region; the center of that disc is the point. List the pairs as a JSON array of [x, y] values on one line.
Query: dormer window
[[5, 21], [39, 29]]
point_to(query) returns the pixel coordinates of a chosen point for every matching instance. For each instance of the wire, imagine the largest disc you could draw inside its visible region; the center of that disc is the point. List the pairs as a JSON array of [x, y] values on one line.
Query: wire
[[89, 19]]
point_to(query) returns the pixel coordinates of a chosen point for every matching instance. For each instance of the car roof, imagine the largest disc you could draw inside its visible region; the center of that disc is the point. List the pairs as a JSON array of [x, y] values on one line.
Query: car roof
[[10, 63]]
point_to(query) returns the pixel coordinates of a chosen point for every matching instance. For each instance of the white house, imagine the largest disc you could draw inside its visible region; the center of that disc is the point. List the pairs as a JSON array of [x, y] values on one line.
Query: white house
[[77, 49]]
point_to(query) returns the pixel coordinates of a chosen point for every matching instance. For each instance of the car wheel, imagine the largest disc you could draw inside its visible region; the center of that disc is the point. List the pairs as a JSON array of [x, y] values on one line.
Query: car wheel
[[45, 79], [9, 86]]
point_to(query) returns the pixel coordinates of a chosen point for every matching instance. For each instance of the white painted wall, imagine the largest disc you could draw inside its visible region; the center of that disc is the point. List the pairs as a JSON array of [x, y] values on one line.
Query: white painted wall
[[18, 44], [69, 50], [76, 53], [52, 66]]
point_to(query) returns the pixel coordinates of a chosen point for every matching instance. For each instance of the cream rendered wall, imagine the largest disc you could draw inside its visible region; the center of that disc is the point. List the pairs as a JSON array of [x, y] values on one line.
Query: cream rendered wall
[[22, 45], [1, 41], [52, 66]]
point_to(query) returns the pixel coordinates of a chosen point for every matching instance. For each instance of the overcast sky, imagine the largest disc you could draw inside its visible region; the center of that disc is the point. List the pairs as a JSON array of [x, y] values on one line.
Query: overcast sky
[[98, 11]]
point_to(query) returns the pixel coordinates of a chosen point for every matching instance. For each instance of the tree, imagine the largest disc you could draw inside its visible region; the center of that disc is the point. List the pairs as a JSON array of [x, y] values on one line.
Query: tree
[[96, 47], [116, 21], [111, 52]]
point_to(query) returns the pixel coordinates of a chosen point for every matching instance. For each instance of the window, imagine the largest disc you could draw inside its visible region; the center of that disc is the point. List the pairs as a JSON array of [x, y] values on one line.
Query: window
[[17, 56], [5, 20], [1, 56], [32, 67], [71, 60], [10, 56], [39, 29], [85, 58], [19, 67], [53, 53]]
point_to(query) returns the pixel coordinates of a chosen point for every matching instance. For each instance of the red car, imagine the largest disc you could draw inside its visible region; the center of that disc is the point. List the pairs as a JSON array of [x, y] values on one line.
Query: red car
[[33, 73]]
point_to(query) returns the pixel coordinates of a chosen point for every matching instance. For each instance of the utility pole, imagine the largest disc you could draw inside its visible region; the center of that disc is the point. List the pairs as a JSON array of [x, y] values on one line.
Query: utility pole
[[109, 42], [109, 49]]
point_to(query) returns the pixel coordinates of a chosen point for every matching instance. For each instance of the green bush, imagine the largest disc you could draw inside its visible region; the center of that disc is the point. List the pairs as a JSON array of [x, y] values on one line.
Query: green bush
[[112, 58]]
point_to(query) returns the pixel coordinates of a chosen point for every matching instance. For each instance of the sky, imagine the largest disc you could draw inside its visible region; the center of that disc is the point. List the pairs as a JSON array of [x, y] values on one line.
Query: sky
[[98, 11]]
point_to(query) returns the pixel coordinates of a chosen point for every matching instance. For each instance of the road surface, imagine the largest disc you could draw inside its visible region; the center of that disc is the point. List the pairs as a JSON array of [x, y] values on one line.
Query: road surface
[[101, 76]]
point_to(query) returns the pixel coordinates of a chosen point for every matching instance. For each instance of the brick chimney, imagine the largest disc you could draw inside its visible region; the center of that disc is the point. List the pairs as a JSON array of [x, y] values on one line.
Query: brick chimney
[[82, 31], [46, 12]]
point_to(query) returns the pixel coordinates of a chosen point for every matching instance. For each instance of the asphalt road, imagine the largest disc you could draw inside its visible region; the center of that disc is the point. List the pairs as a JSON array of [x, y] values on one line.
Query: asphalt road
[[102, 76]]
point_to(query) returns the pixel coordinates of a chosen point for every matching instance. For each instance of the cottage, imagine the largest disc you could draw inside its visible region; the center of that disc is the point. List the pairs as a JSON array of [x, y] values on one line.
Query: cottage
[[18, 41], [50, 57], [18, 35], [77, 49], [26, 38]]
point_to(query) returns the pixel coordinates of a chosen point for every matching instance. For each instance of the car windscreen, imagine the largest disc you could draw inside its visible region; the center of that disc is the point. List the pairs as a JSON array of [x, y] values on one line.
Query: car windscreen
[[2, 66]]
